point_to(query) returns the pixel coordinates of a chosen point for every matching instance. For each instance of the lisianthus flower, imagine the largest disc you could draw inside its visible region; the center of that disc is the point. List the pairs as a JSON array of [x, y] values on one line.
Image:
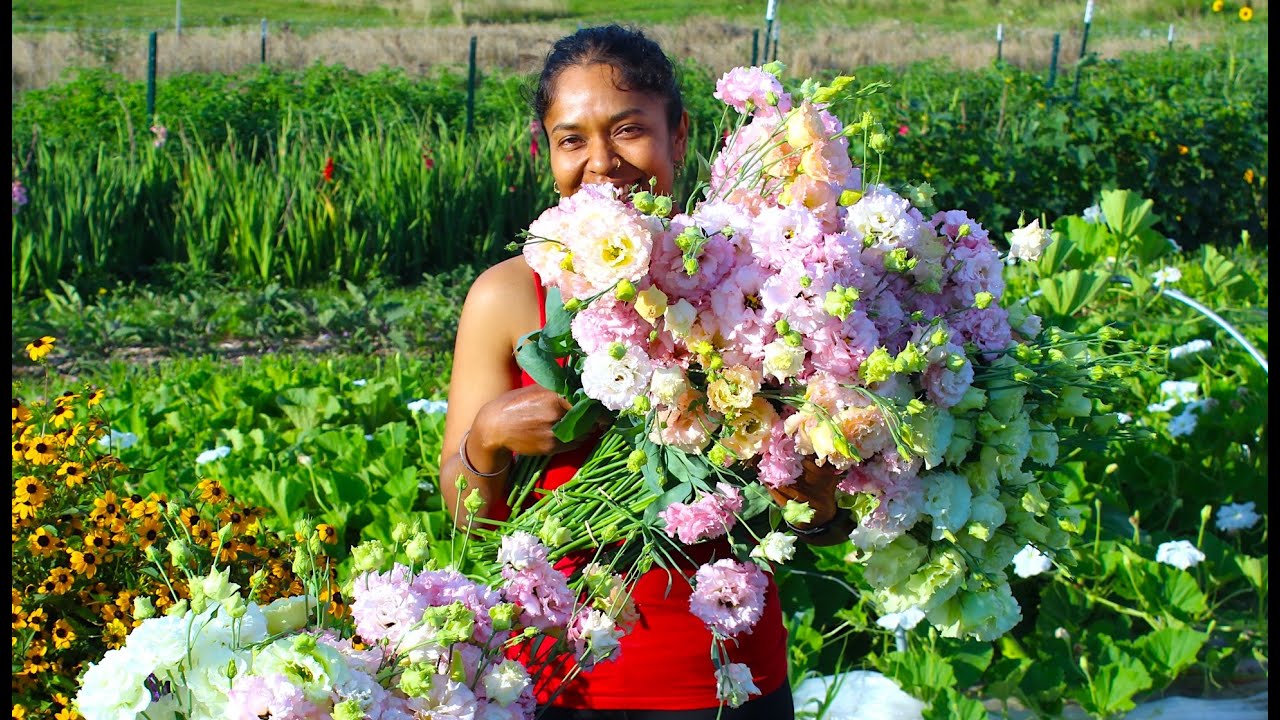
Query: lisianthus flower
[[1030, 562], [216, 453], [734, 684], [1028, 242], [907, 619], [1166, 276], [729, 596]]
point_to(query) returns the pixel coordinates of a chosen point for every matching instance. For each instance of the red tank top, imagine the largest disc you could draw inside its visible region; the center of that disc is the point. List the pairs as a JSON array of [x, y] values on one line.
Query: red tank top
[[665, 661]]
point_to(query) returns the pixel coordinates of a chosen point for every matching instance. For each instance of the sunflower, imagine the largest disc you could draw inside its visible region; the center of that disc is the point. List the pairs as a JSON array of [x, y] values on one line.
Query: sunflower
[[72, 473], [1218, 5], [37, 349], [85, 562], [1246, 13]]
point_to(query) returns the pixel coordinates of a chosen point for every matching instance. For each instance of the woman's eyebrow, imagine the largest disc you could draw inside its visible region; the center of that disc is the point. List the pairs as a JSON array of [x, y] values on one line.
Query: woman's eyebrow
[[622, 115]]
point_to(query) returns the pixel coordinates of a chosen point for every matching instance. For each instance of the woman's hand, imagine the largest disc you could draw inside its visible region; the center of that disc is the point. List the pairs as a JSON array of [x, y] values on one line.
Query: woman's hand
[[520, 421], [817, 486]]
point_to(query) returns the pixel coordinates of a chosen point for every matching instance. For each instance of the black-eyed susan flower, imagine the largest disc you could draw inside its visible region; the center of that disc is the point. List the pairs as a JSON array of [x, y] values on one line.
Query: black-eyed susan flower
[[29, 490], [60, 580], [327, 534], [19, 617], [1246, 13], [19, 451], [85, 562], [97, 541], [62, 415], [202, 533], [42, 451], [211, 491], [114, 634], [63, 635], [105, 508], [148, 532], [72, 473], [141, 508], [20, 411], [43, 543], [19, 711], [38, 349], [96, 396], [68, 713], [1183, 149]]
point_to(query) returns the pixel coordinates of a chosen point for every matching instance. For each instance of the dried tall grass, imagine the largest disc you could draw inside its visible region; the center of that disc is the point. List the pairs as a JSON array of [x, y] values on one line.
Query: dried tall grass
[[40, 60]]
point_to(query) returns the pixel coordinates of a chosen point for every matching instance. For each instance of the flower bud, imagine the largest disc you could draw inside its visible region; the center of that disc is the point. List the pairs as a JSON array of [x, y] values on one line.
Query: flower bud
[[625, 290], [143, 608], [643, 202], [617, 350], [662, 206], [636, 460], [418, 549], [982, 300], [473, 502], [573, 304]]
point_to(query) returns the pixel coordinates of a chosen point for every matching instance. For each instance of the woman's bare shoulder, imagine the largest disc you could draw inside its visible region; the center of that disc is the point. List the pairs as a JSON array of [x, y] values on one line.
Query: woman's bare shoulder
[[505, 296]]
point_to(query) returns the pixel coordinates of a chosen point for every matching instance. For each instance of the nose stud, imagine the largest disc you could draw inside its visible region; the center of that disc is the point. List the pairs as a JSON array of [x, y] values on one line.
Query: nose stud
[[617, 163]]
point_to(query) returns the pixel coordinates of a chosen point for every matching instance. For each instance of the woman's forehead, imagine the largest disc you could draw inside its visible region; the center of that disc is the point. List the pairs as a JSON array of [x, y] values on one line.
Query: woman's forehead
[[580, 88]]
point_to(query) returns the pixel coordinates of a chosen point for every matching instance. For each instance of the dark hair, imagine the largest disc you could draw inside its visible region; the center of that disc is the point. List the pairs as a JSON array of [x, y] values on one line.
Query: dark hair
[[640, 63]]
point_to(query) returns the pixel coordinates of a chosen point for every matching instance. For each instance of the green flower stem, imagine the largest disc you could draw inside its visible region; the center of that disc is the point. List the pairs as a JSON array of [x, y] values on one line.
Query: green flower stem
[[1154, 622]]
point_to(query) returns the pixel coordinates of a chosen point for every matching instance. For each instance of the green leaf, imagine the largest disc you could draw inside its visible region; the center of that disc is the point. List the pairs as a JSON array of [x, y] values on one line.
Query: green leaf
[[1127, 213], [1171, 650], [969, 660], [1067, 293], [558, 319], [1219, 272], [580, 420], [542, 367], [1113, 686], [1254, 570]]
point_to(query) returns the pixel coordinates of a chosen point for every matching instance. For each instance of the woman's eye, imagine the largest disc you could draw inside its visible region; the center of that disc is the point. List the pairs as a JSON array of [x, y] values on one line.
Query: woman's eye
[[569, 141], [630, 130]]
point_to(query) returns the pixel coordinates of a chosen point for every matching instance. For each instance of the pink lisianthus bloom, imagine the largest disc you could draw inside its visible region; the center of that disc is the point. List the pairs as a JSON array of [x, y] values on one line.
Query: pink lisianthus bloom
[[729, 596], [710, 516], [945, 387], [385, 606], [988, 329], [542, 592], [254, 696], [748, 90], [780, 464], [606, 321]]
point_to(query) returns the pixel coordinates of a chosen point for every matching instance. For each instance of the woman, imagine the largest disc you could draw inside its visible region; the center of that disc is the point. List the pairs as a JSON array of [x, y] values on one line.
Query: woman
[[610, 103]]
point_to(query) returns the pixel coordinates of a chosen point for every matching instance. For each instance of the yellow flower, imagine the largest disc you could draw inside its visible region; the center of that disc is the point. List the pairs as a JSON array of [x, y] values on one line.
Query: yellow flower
[[20, 411], [30, 490], [327, 534], [85, 563], [1183, 149], [72, 473], [68, 713], [63, 635], [19, 712], [37, 349], [211, 491], [60, 578], [1218, 5], [105, 508], [114, 633], [42, 451], [42, 542], [1248, 176], [1246, 13], [148, 532], [96, 397]]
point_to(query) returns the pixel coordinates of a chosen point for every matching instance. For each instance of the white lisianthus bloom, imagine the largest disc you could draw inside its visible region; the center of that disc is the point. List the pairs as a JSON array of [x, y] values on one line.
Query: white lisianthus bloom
[[1124, 418], [1183, 424], [947, 499], [1044, 444], [1030, 562], [667, 384], [983, 615], [1166, 275], [504, 682], [782, 361], [986, 513], [907, 619], [1163, 405], [209, 456], [932, 584], [288, 614], [446, 700], [1179, 553], [679, 317], [734, 684], [734, 390], [313, 667], [113, 687], [1093, 214], [596, 635], [616, 382], [1236, 516], [1190, 348], [1027, 243], [895, 562], [1180, 390], [775, 547]]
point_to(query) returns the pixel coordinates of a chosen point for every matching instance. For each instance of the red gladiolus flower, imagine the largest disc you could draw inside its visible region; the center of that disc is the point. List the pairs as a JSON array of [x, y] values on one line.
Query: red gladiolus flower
[[427, 161], [903, 130], [328, 170]]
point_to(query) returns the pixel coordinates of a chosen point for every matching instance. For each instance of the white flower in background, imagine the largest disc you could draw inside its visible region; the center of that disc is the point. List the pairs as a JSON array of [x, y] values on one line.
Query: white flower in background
[[775, 547], [1179, 553], [1030, 562], [1166, 275], [369, 436], [117, 440], [360, 383], [209, 456], [430, 407], [1124, 418], [1180, 390], [1236, 516], [1163, 405], [1191, 348], [906, 619], [1184, 424], [1026, 243], [1093, 214]]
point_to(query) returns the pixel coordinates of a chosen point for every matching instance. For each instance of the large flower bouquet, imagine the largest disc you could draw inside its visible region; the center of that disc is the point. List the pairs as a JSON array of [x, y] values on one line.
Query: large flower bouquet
[[795, 313], [418, 642]]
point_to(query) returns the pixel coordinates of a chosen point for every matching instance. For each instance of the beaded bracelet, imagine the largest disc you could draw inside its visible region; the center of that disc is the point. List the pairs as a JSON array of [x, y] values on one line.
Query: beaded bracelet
[[466, 461]]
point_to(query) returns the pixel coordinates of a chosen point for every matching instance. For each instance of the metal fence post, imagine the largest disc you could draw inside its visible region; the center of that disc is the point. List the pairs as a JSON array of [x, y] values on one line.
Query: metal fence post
[[999, 42], [471, 86], [1053, 60], [755, 47], [151, 78], [263, 56]]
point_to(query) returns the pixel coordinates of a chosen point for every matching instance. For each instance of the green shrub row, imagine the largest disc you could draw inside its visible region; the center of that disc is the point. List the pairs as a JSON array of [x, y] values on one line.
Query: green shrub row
[[240, 186]]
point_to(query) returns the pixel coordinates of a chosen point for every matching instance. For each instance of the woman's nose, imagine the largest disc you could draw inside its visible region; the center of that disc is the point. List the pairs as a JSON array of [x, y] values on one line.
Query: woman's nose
[[603, 160]]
